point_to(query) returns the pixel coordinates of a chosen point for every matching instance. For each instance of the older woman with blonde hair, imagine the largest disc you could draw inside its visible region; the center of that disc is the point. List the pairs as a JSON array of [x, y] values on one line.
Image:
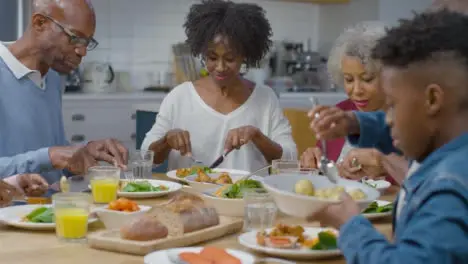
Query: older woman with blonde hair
[[351, 66]]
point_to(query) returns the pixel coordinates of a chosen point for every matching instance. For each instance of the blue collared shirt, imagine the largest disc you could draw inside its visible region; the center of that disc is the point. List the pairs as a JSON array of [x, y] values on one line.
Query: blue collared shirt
[[433, 225], [374, 132], [30, 120]]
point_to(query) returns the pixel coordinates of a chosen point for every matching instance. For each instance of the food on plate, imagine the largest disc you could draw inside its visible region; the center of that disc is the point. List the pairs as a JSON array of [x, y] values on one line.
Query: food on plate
[[237, 189], [124, 205], [184, 213], [326, 240], [145, 228], [141, 186], [40, 215], [293, 237], [306, 187], [374, 208], [209, 255], [223, 178], [282, 236], [184, 172]]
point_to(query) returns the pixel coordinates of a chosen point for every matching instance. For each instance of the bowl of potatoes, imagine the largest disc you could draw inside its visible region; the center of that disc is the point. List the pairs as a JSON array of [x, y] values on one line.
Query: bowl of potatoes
[[303, 194]]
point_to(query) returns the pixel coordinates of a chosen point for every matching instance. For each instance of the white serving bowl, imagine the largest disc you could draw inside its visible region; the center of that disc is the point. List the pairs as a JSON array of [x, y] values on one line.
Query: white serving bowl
[[115, 219], [203, 186], [224, 206], [281, 188]]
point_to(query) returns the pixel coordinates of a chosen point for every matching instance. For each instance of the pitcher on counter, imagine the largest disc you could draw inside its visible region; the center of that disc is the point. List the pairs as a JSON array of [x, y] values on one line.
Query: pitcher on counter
[[32, 138], [223, 111]]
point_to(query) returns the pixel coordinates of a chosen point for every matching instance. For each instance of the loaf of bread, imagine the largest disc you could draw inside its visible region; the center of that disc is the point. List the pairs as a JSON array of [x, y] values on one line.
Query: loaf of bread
[[144, 229], [184, 213]]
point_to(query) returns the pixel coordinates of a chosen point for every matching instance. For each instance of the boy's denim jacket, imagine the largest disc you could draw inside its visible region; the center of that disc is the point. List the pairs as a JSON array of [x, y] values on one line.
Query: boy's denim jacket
[[433, 224]]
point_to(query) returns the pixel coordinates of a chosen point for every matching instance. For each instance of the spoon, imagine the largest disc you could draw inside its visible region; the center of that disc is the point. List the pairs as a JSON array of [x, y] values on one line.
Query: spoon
[[326, 166]]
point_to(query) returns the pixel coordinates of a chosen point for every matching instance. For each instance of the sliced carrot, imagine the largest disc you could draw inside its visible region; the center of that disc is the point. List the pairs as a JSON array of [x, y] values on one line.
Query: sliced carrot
[[194, 258], [219, 256]]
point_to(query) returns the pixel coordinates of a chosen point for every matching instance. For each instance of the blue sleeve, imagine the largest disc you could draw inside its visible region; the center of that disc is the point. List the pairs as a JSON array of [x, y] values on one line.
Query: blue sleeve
[[30, 162], [436, 233], [374, 132]]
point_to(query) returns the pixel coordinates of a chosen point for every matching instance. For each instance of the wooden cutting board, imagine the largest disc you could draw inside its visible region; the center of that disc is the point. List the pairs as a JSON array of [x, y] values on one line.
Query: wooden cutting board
[[110, 239]]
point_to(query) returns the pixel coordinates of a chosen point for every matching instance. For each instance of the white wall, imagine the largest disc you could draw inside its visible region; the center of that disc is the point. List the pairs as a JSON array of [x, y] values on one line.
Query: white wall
[[392, 10], [333, 19], [136, 36]]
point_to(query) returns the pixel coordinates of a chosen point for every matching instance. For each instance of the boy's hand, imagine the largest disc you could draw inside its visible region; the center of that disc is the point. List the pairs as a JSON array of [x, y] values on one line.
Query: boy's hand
[[336, 215]]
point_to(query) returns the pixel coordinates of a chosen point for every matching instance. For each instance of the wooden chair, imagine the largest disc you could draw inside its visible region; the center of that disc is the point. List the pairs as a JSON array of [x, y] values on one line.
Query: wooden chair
[[301, 132]]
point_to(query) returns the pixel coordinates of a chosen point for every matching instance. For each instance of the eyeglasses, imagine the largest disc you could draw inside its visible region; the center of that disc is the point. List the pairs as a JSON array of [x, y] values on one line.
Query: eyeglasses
[[89, 43]]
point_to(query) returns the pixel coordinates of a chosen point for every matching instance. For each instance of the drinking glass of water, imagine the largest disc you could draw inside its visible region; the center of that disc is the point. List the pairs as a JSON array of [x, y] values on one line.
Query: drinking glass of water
[[140, 164], [260, 210], [278, 166]]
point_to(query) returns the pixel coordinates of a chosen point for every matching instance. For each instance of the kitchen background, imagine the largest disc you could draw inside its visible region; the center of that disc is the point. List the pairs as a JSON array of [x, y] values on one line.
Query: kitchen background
[[137, 52]]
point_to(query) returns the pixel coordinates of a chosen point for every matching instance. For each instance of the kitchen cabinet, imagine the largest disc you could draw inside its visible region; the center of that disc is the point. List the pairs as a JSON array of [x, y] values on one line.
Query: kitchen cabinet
[[90, 117]]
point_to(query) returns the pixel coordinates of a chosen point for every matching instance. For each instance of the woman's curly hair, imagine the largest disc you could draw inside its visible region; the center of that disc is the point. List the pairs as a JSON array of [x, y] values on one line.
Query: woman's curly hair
[[245, 26]]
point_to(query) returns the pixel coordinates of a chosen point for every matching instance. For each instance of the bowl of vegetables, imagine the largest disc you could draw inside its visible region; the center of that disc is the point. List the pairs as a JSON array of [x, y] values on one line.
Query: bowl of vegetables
[[119, 212], [228, 199], [147, 188]]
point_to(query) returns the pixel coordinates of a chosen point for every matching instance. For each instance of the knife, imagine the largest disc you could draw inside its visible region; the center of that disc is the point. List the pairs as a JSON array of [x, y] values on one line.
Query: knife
[[219, 160]]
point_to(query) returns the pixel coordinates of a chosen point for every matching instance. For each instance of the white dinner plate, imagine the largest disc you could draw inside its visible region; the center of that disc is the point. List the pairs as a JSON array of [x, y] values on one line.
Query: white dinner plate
[[173, 187], [172, 174], [161, 256], [249, 240], [13, 215], [373, 216]]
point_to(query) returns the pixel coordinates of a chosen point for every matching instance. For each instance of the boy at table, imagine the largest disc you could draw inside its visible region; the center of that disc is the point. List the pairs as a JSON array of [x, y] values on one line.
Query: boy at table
[[425, 61]]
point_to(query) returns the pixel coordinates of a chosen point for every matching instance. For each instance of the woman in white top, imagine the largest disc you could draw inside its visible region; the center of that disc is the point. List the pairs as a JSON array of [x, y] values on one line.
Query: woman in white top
[[223, 111]]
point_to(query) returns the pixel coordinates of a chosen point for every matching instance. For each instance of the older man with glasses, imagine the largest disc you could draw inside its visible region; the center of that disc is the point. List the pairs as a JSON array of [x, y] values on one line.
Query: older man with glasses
[[32, 138]]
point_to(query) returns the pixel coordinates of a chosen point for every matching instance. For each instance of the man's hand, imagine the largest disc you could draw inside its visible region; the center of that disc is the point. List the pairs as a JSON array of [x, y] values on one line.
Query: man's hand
[[7, 193], [108, 150], [336, 215], [32, 184]]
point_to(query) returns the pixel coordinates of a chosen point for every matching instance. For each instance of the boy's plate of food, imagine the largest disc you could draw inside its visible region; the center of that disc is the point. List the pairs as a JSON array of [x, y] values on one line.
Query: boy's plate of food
[[32, 216], [294, 242], [182, 173], [378, 209]]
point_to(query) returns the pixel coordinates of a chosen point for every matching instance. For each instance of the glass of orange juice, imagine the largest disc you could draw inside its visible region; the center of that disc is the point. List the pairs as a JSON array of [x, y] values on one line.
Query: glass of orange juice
[[71, 212], [104, 183]]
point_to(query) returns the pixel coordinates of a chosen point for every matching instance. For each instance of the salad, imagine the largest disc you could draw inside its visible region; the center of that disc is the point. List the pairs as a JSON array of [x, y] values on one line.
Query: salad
[[143, 186], [184, 172], [236, 190], [40, 215], [375, 208]]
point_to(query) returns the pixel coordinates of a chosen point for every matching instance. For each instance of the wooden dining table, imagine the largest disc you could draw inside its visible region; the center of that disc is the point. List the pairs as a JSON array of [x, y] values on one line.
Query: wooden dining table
[[32, 247]]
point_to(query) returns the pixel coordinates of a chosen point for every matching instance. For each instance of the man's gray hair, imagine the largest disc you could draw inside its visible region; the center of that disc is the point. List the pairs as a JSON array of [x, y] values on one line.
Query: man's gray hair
[[356, 41]]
